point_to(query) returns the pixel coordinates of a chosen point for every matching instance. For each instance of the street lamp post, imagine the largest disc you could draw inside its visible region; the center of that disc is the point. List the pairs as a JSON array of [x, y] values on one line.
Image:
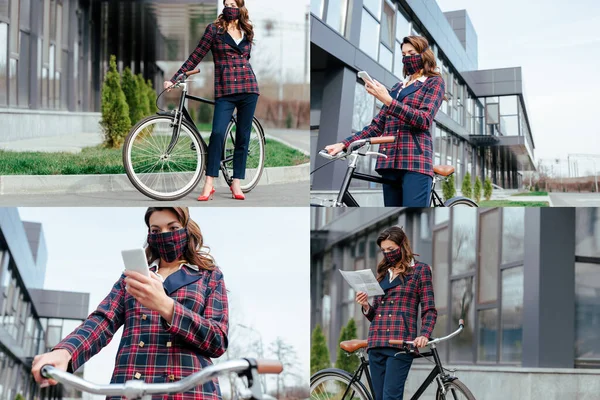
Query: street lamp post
[[261, 352]]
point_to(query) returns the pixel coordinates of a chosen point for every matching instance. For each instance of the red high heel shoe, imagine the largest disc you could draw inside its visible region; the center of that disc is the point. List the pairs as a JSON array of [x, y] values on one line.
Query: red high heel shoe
[[237, 196], [209, 197]]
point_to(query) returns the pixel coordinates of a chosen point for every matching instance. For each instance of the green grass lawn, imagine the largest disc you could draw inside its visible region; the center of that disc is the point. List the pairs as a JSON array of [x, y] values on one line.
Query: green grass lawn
[[508, 203], [531, 194], [98, 160]]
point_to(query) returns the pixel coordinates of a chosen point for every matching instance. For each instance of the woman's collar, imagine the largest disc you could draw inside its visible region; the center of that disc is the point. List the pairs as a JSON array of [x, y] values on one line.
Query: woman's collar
[[421, 79], [156, 262]]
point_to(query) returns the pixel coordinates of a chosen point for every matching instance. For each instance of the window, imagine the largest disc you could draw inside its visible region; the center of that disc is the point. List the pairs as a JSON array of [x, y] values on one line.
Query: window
[[12, 81], [316, 7], [513, 232], [387, 25], [336, 15], [402, 25], [369, 35], [463, 240], [489, 237], [439, 272], [374, 6], [512, 315], [398, 65], [461, 346], [23, 83], [488, 335], [385, 57], [3, 64], [587, 312], [587, 235]]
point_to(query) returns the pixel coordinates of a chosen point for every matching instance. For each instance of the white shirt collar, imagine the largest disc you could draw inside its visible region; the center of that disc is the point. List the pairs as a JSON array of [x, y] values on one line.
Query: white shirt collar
[[412, 264], [156, 262], [421, 79]]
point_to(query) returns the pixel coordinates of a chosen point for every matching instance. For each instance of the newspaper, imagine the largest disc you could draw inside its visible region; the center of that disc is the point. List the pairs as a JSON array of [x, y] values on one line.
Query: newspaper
[[363, 281]]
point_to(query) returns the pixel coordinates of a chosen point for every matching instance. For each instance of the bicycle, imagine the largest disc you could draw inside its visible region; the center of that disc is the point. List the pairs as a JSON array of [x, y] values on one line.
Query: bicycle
[[164, 155], [352, 153], [140, 390], [333, 383]]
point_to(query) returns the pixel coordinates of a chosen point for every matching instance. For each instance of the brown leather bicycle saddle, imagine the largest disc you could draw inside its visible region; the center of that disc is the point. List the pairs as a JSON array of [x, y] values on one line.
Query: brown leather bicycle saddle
[[443, 170], [352, 345]]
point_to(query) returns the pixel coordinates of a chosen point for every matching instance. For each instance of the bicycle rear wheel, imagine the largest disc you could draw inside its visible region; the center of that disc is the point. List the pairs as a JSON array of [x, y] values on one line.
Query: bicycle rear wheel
[[255, 162], [460, 202], [455, 390], [332, 385], [155, 173]]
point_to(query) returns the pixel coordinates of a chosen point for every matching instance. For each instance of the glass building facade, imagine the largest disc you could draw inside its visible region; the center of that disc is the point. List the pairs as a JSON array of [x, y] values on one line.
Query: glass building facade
[[482, 266], [482, 128]]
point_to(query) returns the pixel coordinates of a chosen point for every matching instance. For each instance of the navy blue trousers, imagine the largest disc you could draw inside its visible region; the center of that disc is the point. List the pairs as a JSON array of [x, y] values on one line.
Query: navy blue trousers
[[245, 103], [411, 189], [388, 372]]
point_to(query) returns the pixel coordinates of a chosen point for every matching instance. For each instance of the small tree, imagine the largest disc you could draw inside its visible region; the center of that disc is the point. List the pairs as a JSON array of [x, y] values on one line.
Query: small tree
[[466, 186], [477, 190], [345, 361], [19, 396], [289, 120], [487, 188], [319, 353], [143, 100], [115, 112], [151, 97], [132, 95], [449, 188]]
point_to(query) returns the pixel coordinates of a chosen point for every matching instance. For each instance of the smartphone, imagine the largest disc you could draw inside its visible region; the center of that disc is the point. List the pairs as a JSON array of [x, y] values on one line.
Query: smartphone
[[364, 76], [135, 260]]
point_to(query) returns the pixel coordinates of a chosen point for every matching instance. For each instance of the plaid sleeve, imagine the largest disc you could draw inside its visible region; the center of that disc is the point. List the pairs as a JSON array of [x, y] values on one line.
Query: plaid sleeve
[[371, 313], [421, 118], [428, 310], [199, 53], [375, 128], [98, 329], [207, 331]]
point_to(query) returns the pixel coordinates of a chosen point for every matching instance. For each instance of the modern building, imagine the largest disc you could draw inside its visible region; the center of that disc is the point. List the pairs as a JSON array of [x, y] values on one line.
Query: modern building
[[54, 55], [525, 280], [482, 129], [32, 320]]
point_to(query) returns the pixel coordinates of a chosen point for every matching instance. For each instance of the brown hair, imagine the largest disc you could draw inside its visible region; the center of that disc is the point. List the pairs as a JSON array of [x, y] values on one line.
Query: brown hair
[[396, 235], [244, 21], [196, 253]]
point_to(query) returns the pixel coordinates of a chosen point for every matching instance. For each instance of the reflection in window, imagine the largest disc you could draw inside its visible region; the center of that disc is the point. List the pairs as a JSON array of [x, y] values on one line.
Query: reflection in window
[[402, 25], [442, 214], [12, 81], [513, 234], [385, 57], [487, 350], [461, 347], [512, 315], [3, 64], [489, 236], [369, 35], [23, 84], [509, 125], [374, 6], [336, 15], [439, 272], [508, 105], [587, 312], [363, 108], [387, 25], [587, 232], [463, 240]]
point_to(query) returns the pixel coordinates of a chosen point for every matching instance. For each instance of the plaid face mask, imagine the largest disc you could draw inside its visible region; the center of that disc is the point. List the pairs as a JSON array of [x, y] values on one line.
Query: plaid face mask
[[413, 63], [169, 245], [393, 256], [231, 13]]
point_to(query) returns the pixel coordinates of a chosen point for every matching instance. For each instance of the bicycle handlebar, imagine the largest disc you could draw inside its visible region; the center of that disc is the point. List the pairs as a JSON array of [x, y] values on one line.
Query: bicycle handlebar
[[135, 389], [187, 74], [356, 144], [461, 325]]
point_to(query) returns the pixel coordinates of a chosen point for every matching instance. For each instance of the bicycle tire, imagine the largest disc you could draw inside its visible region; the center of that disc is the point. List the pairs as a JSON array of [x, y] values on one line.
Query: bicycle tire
[[132, 175], [460, 201], [336, 375], [453, 387], [229, 135]]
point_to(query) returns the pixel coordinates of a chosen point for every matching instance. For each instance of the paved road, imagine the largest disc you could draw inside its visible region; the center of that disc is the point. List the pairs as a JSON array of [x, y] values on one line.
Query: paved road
[[297, 138], [292, 194], [575, 199]]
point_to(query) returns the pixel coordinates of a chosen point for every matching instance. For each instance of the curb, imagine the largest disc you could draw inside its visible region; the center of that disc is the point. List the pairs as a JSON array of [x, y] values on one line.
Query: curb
[[70, 184]]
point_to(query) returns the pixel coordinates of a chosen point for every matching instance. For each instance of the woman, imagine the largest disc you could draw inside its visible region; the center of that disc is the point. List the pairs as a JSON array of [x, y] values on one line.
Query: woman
[[172, 328], [230, 39], [406, 284], [407, 113]]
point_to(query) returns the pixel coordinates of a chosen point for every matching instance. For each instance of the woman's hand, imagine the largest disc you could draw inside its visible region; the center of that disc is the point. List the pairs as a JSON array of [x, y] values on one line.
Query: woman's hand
[[379, 91], [167, 85], [362, 299], [150, 293], [58, 358], [333, 149], [421, 341]]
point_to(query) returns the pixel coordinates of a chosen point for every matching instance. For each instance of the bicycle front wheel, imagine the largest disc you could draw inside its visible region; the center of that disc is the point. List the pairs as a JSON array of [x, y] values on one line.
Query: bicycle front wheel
[[460, 202], [455, 390], [255, 162], [155, 172], [334, 385]]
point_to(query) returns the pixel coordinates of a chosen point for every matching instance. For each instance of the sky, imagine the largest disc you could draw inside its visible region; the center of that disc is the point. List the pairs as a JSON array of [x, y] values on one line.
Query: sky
[[557, 44], [263, 253]]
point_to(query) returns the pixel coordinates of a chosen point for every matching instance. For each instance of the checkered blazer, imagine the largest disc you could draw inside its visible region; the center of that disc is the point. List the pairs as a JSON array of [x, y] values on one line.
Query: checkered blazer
[[394, 315], [150, 349], [233, 72], [409, 117]]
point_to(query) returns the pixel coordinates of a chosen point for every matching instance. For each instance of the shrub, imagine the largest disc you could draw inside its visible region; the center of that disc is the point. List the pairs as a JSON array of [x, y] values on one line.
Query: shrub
[[132, 95], [487, 188], [151, 97], [19, 396], [477, 190], [345, 361], [115, 112], [466, 186], [448, 188], [319, 354], [537, 187], [289, 120], [143, 93]]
